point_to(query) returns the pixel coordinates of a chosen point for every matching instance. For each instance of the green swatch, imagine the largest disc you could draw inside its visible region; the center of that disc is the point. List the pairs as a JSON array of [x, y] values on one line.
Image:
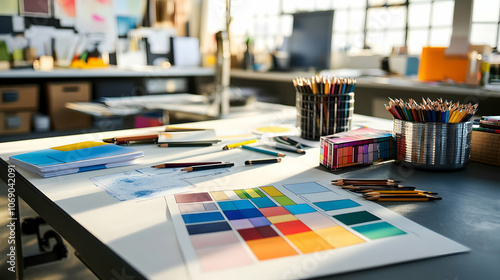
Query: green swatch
[[356, 218], [284, 200], [378, 230]]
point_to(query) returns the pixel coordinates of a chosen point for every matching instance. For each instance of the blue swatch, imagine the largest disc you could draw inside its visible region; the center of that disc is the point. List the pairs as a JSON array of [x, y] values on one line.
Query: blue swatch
[[263, 202], [208, 227], [233, 214], [202, 217], [259, 221], [227, 205], [251, 213], [303, 188], [299, 209], [336, 204], [243, 204]]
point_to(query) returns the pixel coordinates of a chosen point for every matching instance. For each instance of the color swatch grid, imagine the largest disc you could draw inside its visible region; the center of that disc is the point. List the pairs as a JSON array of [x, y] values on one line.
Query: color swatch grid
[[229, 229], [356, 147]]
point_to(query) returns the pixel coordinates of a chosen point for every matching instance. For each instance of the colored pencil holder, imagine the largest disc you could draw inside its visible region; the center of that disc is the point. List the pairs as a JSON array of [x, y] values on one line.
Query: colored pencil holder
[[323, 114], [433, 146]]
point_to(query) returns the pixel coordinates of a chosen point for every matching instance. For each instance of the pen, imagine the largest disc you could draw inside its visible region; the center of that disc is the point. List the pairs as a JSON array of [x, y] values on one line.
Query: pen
[[183, 164], [276, 154], [230, 146], [207, 166], [284, 147], [365, 183], [291, 141], [261, 161]]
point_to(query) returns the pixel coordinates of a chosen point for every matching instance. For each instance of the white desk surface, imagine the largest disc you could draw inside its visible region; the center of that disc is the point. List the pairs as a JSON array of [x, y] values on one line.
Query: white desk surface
[[140, 231], [135, 229]]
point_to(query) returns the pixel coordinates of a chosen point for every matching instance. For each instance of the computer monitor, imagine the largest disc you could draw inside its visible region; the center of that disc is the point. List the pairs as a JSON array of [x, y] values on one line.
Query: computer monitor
[[310, 45]]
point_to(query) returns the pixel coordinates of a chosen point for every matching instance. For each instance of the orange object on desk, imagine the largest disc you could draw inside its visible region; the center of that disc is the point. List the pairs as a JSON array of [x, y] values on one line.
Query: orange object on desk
[[435, 66]]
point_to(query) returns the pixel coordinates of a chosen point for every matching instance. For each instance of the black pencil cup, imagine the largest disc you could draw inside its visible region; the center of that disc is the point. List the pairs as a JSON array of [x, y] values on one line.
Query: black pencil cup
[[323, 114]]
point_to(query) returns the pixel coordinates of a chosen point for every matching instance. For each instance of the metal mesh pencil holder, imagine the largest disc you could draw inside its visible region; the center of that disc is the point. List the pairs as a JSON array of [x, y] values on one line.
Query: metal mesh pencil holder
[[323, 114], [433, 146]]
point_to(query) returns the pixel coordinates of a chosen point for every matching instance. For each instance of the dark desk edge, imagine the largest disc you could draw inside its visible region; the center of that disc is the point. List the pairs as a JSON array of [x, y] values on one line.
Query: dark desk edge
[[86, 244]]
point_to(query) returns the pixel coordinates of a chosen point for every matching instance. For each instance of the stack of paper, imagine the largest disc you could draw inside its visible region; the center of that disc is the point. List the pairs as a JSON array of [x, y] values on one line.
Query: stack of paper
[[73, 158]]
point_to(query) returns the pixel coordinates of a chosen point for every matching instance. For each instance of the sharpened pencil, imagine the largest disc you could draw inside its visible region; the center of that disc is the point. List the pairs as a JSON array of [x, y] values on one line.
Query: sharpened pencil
[[194, 144], [273, 153], [262, 161], [183, 164], [377, 187], [403, 199], [207, 166]]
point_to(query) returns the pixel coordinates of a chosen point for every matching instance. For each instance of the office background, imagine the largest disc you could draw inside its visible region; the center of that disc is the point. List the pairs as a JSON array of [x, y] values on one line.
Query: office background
[[370, 29]]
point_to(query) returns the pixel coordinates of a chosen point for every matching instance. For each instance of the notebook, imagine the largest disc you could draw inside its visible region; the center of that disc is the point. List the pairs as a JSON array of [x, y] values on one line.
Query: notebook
[[74, 158]]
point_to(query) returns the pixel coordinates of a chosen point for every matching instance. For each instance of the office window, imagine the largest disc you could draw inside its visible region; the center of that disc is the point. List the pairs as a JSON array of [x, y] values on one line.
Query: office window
[[485, 22], [359, 24]]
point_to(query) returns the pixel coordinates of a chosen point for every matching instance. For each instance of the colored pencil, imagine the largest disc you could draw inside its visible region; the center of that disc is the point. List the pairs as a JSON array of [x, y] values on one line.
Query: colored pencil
[[283, 147], [403, 199], [273, 153], [183, 164], [401, 192], [186, 144], [365, 180], [430, 111], [262, 161], [133, 139], [231, 146], [207, 166], [363, 188]]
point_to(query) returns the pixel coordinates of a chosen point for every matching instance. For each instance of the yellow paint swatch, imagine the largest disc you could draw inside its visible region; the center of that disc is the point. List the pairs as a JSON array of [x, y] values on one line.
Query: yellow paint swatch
[[252, 193], [272, 191], [338, 236], [271, 248], [78, 146], [282, 218], [220, 195], [309, 242]]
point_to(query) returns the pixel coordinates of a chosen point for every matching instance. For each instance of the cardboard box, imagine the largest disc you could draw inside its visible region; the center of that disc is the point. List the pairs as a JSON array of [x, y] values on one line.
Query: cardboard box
[[18, 97], [485, 147], [15, 122], [58, 94]]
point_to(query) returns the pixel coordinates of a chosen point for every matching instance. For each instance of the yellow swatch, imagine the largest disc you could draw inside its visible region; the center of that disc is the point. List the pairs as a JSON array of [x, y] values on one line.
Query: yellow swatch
[[272, 191], [273, 129], [282, 218], [78, 146]]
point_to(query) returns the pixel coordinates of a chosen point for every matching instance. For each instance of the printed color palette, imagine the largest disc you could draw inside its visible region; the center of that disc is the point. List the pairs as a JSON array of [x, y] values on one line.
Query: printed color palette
[[294, 231], [237, 228]]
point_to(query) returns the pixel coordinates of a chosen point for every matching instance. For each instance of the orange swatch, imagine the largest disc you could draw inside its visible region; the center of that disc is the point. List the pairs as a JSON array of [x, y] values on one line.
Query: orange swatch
[[338, 236], [309, 242], [271, 248]]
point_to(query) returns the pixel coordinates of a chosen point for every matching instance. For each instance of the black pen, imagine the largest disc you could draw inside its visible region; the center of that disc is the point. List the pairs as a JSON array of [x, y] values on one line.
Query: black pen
[[260, 161], [208, 166]]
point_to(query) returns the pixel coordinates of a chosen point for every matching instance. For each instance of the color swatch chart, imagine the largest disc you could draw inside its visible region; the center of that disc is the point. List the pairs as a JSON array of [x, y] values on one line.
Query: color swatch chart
[[356, 147], [222, 231]]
